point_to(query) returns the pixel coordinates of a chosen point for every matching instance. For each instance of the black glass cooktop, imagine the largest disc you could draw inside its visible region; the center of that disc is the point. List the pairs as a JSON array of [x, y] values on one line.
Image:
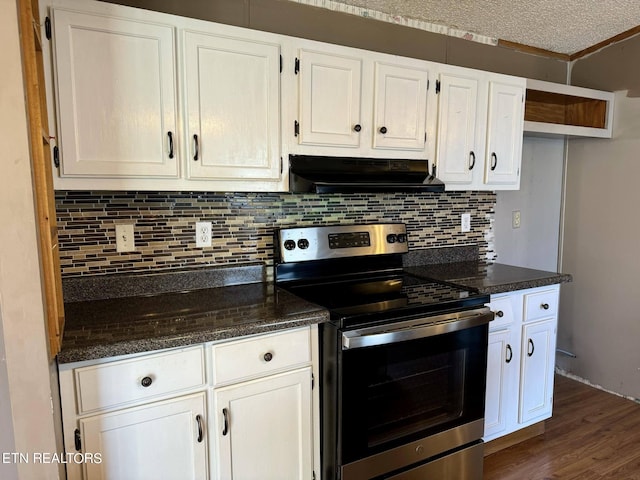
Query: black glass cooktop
[[365, 300]]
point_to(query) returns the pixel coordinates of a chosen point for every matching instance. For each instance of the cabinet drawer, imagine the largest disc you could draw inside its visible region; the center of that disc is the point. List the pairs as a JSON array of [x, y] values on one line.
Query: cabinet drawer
[[259, 356], [540, 304], [112, 384], [504, 311]]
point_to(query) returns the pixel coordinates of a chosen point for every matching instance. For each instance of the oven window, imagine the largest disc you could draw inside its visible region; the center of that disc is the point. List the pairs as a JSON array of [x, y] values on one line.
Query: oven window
[[400, 392]]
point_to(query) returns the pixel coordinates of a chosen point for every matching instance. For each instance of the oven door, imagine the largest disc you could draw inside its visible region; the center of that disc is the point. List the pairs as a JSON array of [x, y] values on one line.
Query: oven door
[[410, 391]]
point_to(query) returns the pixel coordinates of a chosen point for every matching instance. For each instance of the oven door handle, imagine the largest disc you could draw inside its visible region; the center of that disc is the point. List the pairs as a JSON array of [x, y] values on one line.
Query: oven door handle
[[416, 328]]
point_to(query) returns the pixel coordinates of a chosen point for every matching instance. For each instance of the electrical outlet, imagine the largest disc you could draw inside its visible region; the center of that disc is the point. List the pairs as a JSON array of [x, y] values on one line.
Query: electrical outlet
[[465, 223], [515, 219], [203, 234], [125, 239]]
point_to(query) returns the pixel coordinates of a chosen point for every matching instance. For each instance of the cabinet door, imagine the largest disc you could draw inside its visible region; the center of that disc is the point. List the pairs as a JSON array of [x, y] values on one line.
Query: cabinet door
[[264, 428], [116, 92], [400, 110], [499, 361], [505, 125], [538, 362], [456, 152], [330, 96], [162, 440], [233, 107]]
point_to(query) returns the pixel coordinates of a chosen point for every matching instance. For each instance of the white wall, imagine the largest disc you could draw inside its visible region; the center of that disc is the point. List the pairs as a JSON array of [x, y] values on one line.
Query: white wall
[[535, 243], [22, 335]]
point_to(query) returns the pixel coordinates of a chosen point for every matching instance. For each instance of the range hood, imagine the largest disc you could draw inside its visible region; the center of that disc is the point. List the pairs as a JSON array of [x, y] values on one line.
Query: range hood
[[319, 174]]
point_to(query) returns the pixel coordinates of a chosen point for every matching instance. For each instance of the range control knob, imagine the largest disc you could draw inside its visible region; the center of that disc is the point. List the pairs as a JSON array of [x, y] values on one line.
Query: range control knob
[[392, 238], [303, 243], [289, 244], [402, 237]]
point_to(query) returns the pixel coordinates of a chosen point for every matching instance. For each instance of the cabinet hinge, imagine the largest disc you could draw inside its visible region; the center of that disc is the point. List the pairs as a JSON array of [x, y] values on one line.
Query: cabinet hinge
[[425, 137], [313, 381], [56, 156], [296, 67], [313, 476], [280, 63], [433, 169], [296, 128], [47, 28], [77, 440], [437, 86], [428, 83], [281, 166]]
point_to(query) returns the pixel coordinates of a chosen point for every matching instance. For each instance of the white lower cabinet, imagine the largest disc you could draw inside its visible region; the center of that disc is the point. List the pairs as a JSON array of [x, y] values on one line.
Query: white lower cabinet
[[264, 428], [538, 361], [521, 360], [163, 440], [239, 410]]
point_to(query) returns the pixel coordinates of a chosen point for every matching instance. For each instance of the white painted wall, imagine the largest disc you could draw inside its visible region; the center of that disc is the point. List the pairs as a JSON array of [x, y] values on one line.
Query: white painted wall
[[27, 422], [535, 243]]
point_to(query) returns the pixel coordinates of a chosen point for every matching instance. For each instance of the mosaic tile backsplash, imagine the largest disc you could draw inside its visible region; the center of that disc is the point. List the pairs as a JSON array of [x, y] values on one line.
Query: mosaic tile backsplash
[[243, 225]]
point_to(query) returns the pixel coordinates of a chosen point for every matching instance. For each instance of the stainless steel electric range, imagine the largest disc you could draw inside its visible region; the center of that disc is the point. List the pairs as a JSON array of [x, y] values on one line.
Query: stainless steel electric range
[[403, 359]]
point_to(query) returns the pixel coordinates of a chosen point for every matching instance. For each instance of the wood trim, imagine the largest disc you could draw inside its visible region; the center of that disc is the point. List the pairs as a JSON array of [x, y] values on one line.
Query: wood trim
[[617, 38], [513, 438], [533, 50], [33, 70]]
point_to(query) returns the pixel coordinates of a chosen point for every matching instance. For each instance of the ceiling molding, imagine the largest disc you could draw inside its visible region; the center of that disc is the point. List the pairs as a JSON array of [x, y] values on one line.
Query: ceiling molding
[[605, 43], [533, 50]]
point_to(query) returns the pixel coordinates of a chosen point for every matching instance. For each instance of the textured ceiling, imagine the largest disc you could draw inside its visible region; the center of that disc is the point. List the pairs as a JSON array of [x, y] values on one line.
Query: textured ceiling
[[562, 26]]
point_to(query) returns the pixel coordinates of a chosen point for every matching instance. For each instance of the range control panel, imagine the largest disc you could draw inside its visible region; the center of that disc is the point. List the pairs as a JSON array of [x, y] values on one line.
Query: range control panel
[[318, 243]]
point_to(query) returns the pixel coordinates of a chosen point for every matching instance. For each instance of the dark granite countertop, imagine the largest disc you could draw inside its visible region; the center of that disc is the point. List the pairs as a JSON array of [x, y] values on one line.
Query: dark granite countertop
[[100, 328], [119, 315], [488, 278]]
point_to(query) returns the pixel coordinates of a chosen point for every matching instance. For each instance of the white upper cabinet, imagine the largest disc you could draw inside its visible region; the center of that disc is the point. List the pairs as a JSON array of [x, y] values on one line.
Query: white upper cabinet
[[349, 102], [456, 142], [330, 95], [149, 101], [480, 129], [399, 116], [504, 134], [117, 98], [232, 107]]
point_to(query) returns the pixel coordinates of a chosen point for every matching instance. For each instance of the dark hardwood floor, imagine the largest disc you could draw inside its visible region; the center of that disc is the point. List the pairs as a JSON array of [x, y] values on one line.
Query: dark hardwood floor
[[592, 435]]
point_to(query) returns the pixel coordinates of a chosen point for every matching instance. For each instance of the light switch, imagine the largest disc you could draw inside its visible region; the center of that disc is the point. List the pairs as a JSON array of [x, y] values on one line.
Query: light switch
[[125, 240], [515, 219], [465, 223]]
